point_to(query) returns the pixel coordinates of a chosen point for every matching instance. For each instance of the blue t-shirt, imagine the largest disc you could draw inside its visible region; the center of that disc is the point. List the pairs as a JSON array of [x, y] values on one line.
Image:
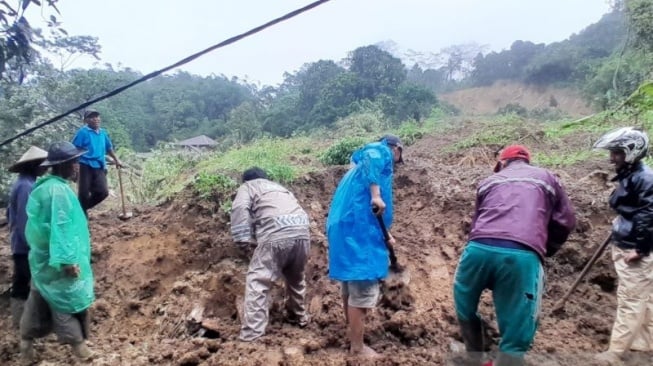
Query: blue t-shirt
[[97, 143]]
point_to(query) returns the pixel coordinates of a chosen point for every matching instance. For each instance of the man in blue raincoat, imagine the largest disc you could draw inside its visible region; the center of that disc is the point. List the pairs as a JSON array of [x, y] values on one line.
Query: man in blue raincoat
[[358, 256]]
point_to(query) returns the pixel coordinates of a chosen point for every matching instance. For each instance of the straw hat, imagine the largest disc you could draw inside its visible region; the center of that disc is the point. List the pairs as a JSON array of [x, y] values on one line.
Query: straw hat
[[33, 155]]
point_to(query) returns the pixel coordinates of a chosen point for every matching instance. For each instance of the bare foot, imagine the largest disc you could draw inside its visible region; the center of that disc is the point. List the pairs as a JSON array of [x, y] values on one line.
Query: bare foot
[[365, 352]]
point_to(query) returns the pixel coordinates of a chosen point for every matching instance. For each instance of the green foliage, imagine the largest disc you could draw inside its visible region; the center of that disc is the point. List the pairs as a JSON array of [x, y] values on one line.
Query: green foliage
[[18, 37], [336, 100], [434, 80], [340, 152], [165, 173], [508, 64], [642, 99], [411, 102], [283, 159], [640, 15], [513, 108], [502, 130], [284, 173], [378, 72], [616, 78], [409, 132], [207, 184], [540, 114], [367, 121], [560, 159], [244, 124], [570, 62], [281, 117]]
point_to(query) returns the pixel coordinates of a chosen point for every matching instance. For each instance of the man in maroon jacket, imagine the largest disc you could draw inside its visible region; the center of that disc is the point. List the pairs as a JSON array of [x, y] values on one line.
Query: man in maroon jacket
[[522, 215]]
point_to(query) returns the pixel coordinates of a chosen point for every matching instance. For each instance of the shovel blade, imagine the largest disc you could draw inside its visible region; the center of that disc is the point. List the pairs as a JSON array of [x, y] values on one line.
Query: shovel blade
[[398, 276], [125, 216]]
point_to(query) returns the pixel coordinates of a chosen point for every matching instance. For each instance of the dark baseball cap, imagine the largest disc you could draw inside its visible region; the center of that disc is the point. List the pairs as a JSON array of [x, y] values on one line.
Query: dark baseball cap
[[393, 140]]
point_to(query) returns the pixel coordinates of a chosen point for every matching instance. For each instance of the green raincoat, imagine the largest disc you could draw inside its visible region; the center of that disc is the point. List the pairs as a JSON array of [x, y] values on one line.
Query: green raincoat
[[57, 234]]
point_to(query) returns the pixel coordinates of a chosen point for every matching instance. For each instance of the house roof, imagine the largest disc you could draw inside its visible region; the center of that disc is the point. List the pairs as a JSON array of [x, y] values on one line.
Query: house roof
[[201, 140]]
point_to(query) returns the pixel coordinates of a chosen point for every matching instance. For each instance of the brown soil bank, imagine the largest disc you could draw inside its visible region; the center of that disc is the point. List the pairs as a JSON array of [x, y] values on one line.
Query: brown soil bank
[[171, 267], [488, 99]]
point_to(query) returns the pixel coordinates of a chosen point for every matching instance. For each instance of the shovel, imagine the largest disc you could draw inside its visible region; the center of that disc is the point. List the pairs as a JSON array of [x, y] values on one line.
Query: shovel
[[560, 305], [397, 271], [124, 215]]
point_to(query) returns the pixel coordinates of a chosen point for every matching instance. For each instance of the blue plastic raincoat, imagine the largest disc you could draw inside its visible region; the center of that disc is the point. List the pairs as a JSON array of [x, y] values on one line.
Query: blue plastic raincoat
[[57, 234], [357, 249]]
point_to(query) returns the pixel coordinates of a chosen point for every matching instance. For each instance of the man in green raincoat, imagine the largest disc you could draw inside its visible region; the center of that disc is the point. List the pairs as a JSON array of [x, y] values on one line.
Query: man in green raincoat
[[59, 258]]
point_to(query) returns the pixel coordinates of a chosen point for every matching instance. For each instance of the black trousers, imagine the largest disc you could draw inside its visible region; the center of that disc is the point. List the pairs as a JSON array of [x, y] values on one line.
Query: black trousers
[[20, 283], [92, 186]]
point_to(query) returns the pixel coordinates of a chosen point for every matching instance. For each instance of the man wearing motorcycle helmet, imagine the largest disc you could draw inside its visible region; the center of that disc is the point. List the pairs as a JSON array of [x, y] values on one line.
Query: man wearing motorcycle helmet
[[632, 235]]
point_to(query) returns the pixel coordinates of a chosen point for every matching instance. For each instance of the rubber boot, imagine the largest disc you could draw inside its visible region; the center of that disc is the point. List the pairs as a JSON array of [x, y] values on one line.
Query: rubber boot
[[298, 321], [16, 306], [26, 348], [82, 352], [472, 333]]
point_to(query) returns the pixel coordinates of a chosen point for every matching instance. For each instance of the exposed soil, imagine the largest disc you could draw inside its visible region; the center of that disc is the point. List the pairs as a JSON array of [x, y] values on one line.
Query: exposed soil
[[170, 282], [489, 99]]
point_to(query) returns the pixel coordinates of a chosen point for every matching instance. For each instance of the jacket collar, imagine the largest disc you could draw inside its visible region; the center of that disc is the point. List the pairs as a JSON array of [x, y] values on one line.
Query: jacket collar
[[627, 171]]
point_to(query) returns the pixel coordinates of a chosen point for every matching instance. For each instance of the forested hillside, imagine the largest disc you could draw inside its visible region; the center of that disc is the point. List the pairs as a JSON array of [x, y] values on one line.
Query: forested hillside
[[606, 61]]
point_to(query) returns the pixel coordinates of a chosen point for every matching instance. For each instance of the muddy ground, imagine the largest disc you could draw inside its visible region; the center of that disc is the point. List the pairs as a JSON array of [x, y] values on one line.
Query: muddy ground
[[171, 267]]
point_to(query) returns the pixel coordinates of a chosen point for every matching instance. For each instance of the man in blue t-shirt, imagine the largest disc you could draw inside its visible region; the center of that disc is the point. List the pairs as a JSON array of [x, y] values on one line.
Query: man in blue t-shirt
[[92, 184]]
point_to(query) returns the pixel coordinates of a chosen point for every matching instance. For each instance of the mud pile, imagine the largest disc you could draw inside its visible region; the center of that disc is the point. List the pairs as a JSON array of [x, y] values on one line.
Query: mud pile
[[170, 282]]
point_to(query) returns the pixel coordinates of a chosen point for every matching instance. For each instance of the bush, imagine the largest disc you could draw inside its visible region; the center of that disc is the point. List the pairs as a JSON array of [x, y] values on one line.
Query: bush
[[164, 173], [359, 124], [513, 108], [545, 114], [206, 184], [280, 173], [409, 132], [340, 152]]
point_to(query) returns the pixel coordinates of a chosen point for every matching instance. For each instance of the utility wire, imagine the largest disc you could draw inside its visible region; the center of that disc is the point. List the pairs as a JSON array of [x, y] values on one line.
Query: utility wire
[[151, 75]]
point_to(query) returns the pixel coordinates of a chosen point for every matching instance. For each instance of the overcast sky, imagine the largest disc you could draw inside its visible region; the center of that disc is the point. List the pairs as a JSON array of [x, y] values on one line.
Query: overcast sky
[[147, 35]]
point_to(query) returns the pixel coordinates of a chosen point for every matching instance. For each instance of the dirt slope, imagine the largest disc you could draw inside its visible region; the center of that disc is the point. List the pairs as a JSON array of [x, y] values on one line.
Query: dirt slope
[[488, 100], [175, 262]]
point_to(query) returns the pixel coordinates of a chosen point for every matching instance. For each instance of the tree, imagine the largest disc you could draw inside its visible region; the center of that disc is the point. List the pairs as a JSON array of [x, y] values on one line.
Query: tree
[[640, 16], [460, 59], [244, 122], [281, 118], [377, 71], [433, 79], [336, 100], [312, 79], [70, 48], [18, 36], [412, 102], [507, 64]]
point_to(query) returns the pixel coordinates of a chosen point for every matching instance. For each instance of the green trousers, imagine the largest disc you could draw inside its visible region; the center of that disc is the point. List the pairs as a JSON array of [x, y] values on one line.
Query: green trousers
[[516, 279]]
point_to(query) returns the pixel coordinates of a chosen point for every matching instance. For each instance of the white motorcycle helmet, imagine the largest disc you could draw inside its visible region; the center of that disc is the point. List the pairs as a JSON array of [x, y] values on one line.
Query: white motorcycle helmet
[[633, 142]]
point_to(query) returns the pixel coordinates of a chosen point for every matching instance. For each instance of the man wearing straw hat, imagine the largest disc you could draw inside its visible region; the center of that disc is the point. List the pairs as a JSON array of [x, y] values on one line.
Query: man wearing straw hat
[[28, 169]]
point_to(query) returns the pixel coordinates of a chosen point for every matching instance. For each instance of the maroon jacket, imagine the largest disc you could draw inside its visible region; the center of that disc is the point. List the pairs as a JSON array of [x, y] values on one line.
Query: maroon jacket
[[525, 204]]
